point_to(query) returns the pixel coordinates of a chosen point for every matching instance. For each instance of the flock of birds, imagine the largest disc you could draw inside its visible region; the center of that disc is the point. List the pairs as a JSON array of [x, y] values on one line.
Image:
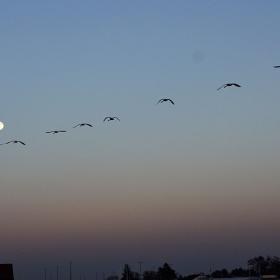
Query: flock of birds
[[62, 131], [108, 119]]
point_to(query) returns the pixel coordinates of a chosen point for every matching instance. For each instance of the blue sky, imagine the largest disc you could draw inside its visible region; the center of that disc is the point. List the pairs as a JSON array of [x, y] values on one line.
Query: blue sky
[[207, 163]]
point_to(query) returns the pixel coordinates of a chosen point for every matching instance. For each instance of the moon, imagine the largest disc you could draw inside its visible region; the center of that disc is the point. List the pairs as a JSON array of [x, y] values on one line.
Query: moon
[[1, 125]]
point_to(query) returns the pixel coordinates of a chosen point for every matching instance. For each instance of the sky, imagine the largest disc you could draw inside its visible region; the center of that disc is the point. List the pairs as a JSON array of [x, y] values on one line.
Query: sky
[[195, 184]]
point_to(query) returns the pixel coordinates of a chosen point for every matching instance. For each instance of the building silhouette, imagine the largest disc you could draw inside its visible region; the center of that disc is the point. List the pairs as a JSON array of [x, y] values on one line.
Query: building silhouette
[[6, 272]]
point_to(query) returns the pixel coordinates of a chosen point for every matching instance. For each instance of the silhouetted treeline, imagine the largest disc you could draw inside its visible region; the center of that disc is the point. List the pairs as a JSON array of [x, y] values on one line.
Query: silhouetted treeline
[[128, 274], [224, 273], [164, 272], [255, 267], [260, 265]]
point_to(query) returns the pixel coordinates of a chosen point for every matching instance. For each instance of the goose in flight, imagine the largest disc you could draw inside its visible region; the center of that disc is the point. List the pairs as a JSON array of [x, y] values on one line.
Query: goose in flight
[[229, 85], [83, 124], [14, 142], [165, 100], [55, 131], [111, 119], [276, 66]]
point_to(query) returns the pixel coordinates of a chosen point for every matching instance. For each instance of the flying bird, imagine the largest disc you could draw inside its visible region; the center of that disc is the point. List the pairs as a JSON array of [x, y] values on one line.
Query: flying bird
[[111, 119], [276, 66], [229, 85], [14, 142], [55, 131], [82, 124], [166, 100]]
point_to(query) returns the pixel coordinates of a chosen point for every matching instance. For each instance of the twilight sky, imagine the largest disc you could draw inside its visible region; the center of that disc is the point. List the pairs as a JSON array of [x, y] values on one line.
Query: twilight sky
[[196, 184]]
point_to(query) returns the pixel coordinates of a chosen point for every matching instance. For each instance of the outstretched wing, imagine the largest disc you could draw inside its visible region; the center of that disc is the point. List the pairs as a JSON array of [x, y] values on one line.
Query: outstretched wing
[[21, 143], [237, 85], [160, 101], [106, 119], [172, 102], [223, 86], [88, 124], [276, 66], [6, 143], [77, 125]]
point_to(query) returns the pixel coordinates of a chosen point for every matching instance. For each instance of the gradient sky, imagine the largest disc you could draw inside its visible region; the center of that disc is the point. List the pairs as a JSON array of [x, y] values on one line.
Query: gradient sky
[[196, 184]]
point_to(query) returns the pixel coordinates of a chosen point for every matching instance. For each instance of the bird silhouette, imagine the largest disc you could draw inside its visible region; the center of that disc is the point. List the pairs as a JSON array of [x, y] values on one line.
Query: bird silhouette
[[82, 124], [14, 142], [276, 66], [111, 119], [55, 131], [166, 100], [229, 85]]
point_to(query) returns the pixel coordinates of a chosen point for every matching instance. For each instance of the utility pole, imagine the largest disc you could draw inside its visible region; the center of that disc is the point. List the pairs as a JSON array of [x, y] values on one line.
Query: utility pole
[[45, 274], [210, 272], [57, 272], [140, 269], [70, 270]]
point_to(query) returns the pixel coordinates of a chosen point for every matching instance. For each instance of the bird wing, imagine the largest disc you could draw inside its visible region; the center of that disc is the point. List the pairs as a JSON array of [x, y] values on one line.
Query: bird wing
[[237, 85], [221, 87], [106, 119], [22, 143], [160, 101], [61, 131], [76, 125], [88, 124], [172, 101], [49, 132], [276, 66], [6, 143]]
